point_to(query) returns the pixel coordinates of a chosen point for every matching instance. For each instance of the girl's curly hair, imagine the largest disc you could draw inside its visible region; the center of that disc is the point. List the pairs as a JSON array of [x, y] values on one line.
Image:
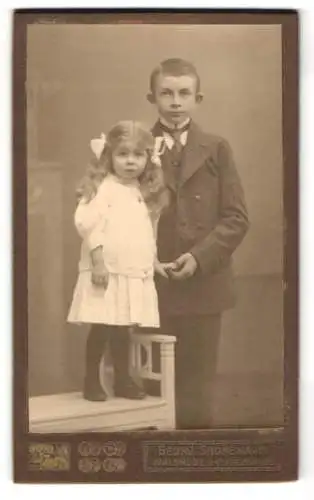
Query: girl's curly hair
[[151, 180]]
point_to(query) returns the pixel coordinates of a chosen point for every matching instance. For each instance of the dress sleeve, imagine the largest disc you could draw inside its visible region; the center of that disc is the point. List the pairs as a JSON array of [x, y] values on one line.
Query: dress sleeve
[[90, 219]]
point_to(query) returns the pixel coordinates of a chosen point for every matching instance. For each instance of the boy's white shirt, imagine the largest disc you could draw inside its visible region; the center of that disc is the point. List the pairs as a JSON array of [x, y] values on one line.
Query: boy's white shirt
[[169, 139]]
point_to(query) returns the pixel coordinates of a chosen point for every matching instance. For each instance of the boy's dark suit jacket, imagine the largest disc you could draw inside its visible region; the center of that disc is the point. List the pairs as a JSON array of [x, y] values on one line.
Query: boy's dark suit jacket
[[207, 216]]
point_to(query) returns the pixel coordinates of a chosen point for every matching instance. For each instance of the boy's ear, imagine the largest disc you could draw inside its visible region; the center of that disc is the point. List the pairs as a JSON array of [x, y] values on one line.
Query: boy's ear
[[151, 98], [199, 97]]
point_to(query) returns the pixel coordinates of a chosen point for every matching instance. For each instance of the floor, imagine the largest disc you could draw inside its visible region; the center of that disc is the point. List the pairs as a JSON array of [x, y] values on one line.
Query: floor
[[252, 400], [249, 389]]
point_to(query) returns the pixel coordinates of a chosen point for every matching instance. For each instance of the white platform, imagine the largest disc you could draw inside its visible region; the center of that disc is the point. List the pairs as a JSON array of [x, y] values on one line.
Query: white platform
[[70, 412]]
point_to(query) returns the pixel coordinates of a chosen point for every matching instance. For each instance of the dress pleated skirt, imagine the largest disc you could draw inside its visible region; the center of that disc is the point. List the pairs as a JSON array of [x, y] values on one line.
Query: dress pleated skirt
[[126, 301]]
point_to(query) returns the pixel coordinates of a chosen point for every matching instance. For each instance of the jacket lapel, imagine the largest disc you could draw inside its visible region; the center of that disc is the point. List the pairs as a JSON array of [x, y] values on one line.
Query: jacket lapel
[[194, 153]]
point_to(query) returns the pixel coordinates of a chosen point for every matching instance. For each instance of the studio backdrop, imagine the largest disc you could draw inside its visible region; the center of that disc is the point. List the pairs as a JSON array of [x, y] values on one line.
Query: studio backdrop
[[81, 79]]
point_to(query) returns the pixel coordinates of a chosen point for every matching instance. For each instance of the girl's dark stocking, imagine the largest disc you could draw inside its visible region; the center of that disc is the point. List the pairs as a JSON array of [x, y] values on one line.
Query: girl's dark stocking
[[124, 385], [95, 346]]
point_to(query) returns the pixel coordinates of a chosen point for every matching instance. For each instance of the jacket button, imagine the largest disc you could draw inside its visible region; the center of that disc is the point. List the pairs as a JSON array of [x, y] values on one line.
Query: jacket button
[[198, 197]]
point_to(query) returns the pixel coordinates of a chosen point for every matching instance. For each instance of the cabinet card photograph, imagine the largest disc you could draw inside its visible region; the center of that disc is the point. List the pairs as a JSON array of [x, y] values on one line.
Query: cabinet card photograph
[[155, 213]]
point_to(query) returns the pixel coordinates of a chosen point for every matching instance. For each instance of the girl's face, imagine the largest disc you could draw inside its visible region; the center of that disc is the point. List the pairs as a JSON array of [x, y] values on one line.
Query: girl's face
[[129, 161]]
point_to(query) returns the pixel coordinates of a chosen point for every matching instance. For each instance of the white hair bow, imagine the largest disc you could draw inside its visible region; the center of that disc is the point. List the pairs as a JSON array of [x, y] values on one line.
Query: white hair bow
[[158, 150], [97, 145]]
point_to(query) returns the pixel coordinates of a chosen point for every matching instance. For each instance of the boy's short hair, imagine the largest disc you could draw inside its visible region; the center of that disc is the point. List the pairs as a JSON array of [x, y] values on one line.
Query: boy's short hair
[[175, 67]]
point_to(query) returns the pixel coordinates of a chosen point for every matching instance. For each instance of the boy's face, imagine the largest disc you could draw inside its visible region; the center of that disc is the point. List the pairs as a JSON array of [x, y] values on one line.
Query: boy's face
[[175, 97]]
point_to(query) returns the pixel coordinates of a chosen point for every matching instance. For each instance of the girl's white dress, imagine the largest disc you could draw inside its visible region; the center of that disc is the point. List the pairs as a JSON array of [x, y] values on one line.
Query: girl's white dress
[[116, 218]]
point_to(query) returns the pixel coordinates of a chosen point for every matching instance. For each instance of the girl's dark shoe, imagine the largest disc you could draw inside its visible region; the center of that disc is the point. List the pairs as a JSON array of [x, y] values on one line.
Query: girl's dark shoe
[[94, 393], [129, 389]]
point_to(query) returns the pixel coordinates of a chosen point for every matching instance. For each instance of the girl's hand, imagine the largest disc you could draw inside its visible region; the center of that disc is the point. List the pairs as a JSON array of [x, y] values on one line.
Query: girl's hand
[[184, 267], [100, 275], [163, 268]]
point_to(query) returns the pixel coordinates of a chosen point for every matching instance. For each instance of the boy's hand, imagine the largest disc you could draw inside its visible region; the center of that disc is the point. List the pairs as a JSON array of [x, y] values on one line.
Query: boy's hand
[[163, 268], [185, 267]]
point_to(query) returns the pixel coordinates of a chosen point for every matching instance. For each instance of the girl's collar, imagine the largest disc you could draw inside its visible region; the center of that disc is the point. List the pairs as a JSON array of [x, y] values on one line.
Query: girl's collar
[[118, 180]]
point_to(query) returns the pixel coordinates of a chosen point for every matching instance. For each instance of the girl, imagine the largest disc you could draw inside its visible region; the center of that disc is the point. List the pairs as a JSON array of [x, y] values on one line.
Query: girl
[[120, 199]]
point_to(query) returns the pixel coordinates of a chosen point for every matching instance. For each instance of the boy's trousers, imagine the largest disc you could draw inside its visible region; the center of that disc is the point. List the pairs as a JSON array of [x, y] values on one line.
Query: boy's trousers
[[196, 359]]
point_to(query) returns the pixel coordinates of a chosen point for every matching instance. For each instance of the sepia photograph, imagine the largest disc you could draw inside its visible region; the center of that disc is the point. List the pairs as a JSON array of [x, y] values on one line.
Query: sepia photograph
[[156, 230]]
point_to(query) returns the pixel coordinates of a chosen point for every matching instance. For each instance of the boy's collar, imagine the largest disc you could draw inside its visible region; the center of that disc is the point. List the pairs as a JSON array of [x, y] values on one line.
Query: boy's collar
[[171, 126], [194, 132]]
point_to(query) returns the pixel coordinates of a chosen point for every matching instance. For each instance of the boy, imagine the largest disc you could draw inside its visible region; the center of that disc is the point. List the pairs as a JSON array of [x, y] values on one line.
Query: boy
[[204, 223]]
